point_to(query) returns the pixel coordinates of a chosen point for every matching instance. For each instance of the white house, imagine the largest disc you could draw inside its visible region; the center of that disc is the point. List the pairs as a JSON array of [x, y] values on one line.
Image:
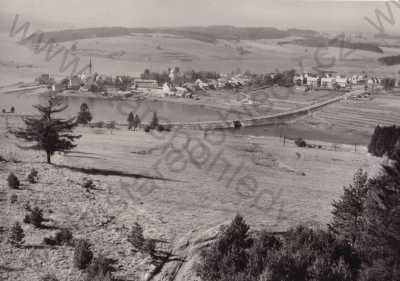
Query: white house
[[166, 89], [201, 84], [327, 82], [181, 92], [341, 81], [312, 80]]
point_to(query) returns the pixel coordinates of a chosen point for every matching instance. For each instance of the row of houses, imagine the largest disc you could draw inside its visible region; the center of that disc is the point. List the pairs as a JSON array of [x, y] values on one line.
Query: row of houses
[[329, 81], [187, 89]]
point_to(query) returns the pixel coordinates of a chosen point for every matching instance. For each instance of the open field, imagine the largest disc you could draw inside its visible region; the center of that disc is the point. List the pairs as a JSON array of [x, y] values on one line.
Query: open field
[[170, 188]]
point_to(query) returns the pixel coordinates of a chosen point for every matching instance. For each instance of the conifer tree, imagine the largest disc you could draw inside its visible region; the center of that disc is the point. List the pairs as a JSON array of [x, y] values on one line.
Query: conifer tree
[[131, 120], [349, 210], [84, 115], [136, 122], [154, 121], [381, 239], [17, 235], [50, 134]]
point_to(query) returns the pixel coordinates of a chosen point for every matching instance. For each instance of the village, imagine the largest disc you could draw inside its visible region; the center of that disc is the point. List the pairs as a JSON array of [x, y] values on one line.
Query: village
[[191, 84]]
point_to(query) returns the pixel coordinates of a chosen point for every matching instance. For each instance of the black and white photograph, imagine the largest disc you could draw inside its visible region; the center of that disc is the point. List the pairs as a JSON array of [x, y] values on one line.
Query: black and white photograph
[[199, 140]]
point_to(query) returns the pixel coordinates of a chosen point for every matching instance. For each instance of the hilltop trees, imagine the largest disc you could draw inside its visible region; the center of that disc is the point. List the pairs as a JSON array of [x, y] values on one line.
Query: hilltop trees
[[84, 115], [49, 133]]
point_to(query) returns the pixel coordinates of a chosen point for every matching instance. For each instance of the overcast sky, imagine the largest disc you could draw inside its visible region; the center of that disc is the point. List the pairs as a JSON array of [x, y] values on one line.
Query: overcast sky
[[313, 14]]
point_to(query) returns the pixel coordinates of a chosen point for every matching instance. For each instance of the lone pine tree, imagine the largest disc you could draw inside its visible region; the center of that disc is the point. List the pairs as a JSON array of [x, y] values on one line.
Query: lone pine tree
[[49, 133]]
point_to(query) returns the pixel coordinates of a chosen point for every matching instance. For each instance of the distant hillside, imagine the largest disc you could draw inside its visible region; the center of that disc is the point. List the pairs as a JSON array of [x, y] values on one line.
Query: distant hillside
[[390, 60], [326, 42], [209, 34]]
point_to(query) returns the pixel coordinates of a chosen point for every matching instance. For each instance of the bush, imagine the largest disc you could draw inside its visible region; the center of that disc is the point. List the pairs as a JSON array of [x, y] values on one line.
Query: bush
[[100, 269], [49, 277], [33, 176], [300, 142], [35, 217], [147, 128], [136, 237], [16, 236], [13, 181], [302, 254], [62, 237], [149, 247], [160, 128], [13, 198], [88, 183], [83, 254], [99, 125]]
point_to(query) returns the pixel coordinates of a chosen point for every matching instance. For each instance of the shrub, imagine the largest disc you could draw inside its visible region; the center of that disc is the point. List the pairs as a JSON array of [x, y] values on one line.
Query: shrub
[[13, 198], [35, 217], [302, 254], [100, 269], [136, 237], [83, 254], [147, 128], [16, 236], [237, 124], [62, 237], [49, 277], [13, 181], [33, 176], [149, 247], [300, 142], [160, 128], [88, 183], [99, 124]]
